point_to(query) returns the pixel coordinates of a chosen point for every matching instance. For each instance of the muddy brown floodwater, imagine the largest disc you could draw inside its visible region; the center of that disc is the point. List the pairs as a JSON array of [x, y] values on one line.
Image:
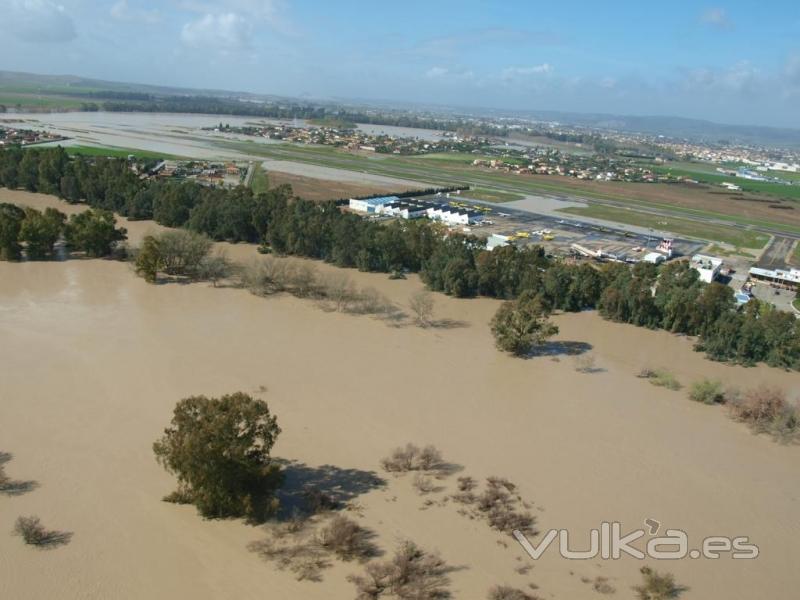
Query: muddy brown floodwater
[[93, 359]]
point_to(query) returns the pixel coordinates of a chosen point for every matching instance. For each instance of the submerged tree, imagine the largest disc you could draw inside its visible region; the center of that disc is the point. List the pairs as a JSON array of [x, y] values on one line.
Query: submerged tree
[[94, 232], [219, 449], [11, 218], [148, 259], [40, 231], [521, 325]]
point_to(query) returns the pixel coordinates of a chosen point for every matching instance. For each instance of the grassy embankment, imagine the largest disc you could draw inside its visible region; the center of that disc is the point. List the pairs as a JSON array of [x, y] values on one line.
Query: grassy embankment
[[260, 181], [116, 152]]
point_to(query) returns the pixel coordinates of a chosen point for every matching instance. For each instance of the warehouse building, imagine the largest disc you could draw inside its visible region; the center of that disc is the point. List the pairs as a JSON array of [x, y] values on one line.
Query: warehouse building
[[371, 205]]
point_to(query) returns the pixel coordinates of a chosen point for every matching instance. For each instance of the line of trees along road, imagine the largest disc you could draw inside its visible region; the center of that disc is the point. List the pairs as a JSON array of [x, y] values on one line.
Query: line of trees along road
[[669, 297]]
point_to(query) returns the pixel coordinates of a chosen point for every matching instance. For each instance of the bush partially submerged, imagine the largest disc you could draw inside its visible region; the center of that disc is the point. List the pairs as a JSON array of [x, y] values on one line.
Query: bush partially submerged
[[335, 291], [413, 458], [347, 539], [766, 410], [421, 305], [299, 555], [499, 504], [707, 391], [657, 586], [219, 449], [34, 533], [296, 547], [412, 574], [505, 592], [31, 530], [660, 378]]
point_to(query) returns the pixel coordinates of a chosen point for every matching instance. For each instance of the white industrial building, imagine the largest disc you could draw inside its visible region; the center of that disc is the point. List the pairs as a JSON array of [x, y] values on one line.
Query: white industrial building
[[392, 206], [452, 215], [371, 205], [654, 257], [404, 210], [707, 266]]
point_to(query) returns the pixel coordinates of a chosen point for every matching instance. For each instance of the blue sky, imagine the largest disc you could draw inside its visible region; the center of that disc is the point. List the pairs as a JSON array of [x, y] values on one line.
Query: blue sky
[[735, 62]]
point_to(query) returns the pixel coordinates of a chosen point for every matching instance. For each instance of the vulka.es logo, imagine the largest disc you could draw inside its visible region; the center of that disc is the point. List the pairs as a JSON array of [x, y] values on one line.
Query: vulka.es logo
[[608, 542]]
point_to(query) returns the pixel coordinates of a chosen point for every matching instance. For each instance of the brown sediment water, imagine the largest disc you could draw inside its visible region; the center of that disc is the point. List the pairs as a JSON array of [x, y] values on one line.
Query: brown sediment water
[[93, 359]]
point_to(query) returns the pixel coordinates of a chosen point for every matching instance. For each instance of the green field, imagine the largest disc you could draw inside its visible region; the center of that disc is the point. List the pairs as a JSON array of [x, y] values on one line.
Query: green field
[[704, 231], [787, 175], [720, 251], [260, 181], [492, 195], [790, 192], [115, 152], [36, 101]]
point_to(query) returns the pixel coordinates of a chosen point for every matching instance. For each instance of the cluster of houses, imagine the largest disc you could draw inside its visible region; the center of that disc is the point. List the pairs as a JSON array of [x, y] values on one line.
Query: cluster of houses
[[350, 138], [203, 172], [592, 168], [393, 206], [26, 137]]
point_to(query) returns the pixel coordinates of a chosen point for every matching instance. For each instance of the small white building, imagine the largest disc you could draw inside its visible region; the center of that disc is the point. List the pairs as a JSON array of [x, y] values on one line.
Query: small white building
[[707, 266], [654, 257], [496, 240]]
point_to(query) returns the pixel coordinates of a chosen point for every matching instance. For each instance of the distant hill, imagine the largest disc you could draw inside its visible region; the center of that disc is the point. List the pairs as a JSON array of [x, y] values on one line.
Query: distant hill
[[672, 127], [677, 127]]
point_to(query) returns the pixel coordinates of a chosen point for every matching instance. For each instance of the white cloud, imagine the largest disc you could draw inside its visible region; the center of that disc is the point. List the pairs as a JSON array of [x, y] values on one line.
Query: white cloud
[[449, 75], [227, 32], [716, 17], [121, 11], [38, 21], [510, 73], [229, 25], [436, 72], [740, 78]]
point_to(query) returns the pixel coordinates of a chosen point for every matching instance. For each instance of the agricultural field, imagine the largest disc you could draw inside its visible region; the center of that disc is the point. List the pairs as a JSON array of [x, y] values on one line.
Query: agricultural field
[[737, 237], [39, 102], [791, 192], [312, 188]]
